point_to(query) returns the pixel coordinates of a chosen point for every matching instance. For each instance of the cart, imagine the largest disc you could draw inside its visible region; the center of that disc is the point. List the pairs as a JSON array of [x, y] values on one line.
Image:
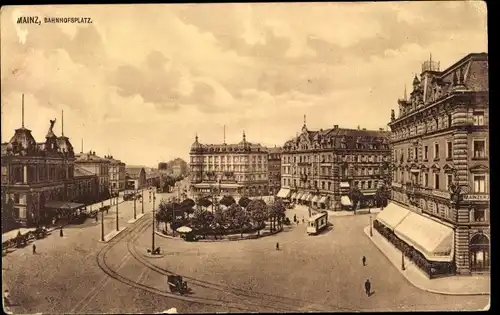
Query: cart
[[177, 284]]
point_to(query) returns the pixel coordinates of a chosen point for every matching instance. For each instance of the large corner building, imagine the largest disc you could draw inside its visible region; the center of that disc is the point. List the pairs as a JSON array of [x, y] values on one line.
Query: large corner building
[[440, 190]]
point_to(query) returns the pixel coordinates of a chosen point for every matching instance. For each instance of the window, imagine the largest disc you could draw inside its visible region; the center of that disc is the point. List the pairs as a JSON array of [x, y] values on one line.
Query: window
[[436, 150], [426, 152], [369, 184], [479, 183], [449, 179], [408, 152], [479, 148], [426, 180], [478, 118], [415, 153], [449, 120], [449, 150], [436, 181]]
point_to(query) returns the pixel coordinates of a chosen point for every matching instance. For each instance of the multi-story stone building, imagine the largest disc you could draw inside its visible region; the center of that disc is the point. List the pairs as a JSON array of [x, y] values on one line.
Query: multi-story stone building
[[320, 167], [441, 168], [231, 169], [135, 177], [274, 171], [98, 166], [116, 173], [37, 177]]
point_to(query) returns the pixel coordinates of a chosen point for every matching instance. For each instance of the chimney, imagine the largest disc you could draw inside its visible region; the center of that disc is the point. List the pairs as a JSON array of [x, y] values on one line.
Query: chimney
[[336, 127]]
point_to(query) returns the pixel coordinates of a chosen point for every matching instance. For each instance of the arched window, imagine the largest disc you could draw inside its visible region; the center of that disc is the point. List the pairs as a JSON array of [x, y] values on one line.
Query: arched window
[[479, 253]]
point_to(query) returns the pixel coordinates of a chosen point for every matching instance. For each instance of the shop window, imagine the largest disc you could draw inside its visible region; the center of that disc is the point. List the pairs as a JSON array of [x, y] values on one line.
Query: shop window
[[480, 253]]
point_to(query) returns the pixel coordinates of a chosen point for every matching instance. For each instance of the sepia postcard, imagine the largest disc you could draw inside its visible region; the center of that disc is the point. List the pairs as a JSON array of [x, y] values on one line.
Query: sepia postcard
[[245, 157]]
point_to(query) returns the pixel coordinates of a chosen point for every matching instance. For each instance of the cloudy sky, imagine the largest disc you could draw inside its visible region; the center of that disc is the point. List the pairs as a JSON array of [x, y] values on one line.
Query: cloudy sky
[[142, 80]]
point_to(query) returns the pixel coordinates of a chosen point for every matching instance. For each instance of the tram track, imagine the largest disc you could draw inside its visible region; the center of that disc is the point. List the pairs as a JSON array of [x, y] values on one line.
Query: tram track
[[132, 234]]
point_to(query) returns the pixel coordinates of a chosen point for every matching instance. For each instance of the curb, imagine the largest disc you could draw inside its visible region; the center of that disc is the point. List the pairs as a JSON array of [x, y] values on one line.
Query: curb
[[131, 221], [366, 230], [147, 255], [222, 240], [107, 240]]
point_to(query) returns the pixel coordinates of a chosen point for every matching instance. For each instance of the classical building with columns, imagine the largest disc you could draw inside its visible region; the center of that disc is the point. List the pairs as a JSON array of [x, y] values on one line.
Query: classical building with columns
[[229, 169], [440, 189], [320, 167]]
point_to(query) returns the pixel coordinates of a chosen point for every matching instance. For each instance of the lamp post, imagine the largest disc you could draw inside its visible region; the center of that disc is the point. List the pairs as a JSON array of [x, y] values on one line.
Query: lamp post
[[102, 225], [117, 227], [402, 260], [135, 199], [153, 229], [142, 200]]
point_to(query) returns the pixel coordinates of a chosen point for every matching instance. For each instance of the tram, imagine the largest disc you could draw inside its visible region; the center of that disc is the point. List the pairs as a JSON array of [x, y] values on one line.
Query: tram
[[317, 223]]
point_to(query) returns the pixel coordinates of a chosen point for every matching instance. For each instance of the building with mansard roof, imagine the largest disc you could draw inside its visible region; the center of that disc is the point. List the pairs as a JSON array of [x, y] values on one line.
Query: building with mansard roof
[[320, 167], [229, 169], [36, 176], [440, 188]]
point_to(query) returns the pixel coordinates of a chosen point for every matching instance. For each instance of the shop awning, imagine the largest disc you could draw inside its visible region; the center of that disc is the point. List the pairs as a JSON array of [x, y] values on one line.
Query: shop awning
[[283, 193], [344, 185], [304, 196], [294, 195], [433, 239], [63, 205], [392, 215], [345, 201], [322, 199], [369, 193], [299, 195], [315, 199]]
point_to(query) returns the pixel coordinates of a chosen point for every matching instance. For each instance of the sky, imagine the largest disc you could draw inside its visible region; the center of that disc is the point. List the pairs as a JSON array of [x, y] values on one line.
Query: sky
[[141, 81]]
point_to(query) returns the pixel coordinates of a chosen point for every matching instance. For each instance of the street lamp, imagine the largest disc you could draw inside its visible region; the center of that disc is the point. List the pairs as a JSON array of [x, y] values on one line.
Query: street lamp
[[102, 225], [402, 260], [117, 227], [135, 199], [142, 200], [153, 230]]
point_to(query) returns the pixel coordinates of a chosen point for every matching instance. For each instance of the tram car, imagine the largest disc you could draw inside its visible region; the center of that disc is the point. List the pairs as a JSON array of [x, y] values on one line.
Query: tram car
[[317, 223]]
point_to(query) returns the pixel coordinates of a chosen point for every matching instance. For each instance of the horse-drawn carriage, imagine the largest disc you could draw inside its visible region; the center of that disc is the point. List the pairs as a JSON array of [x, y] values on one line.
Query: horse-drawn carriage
[[177, 284], [40, 233]]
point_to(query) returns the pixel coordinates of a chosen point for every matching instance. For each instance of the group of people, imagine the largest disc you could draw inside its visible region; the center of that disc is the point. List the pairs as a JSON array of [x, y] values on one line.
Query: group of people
[[61, 234]]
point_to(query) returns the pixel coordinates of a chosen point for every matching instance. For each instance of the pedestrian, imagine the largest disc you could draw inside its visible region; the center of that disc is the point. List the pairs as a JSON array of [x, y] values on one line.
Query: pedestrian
[[277, 246], [294, 218], [96, 218], [364, 260], [302, 220], [61, 232], [34, 248], [368, 286]]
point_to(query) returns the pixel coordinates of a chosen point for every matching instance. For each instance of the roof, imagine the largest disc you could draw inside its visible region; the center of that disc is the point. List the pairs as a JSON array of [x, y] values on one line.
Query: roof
[[334, 137], [112, 160], [134, 171], [63, 205], [274, 150], [79, 172], [90, 157]]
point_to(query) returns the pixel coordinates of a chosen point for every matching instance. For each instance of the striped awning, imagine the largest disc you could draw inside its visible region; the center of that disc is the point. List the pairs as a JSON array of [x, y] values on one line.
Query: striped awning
[[294, 195], [322, 199], [304, 196], [309, 197], [345, 201], [299, 195], [283, 193], [315, 199]]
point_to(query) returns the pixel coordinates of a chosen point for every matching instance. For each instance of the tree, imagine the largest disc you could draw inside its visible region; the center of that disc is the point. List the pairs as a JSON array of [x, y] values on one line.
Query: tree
[[278, 211], [186, 206], [356, 196], [244, 201], [231, 213], [227, 201], [204, 219], [204, 202], [219, 221], [241, 219], [257, 210], [382, 196]]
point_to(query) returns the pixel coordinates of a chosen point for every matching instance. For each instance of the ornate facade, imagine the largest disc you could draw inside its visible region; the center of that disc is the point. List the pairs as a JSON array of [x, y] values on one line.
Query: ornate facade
[[440, 155], [36, 175], [230, 169], [320, 167]]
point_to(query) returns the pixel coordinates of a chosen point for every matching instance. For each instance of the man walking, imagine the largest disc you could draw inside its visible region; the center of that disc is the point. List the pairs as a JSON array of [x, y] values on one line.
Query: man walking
[[364, 260], [277, 246], [34, 248], [368, 286], [61, 232]]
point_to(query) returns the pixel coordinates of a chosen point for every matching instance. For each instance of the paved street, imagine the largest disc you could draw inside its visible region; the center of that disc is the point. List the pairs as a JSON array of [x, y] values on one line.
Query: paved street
[[322, 273]]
